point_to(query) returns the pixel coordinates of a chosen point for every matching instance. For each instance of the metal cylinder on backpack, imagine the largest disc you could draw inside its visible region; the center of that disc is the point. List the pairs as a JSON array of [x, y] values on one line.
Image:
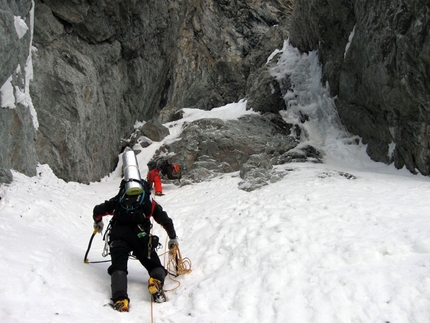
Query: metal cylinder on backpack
[[131, 172]]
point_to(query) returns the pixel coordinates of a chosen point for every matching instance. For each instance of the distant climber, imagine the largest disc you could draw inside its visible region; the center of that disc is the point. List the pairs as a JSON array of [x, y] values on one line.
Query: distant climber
[[172, 171], [158, 169], [153, 178]]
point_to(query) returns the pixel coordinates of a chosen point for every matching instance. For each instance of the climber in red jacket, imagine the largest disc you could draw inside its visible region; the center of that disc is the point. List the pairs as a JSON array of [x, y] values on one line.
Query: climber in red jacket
[[153, 178], [158, 169]]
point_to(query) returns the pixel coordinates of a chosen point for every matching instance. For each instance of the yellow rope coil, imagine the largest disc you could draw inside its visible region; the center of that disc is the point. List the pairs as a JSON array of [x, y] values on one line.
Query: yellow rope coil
[[180, 265], [176, 265]]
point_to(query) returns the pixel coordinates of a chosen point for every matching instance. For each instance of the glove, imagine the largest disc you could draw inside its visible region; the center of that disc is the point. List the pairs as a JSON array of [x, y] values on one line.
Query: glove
[[98, 226], [173, 243]]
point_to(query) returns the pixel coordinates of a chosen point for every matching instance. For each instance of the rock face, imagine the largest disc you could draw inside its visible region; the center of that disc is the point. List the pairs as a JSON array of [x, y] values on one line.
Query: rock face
[[101, 65], [17, 133], [98, 66], [376, 59]]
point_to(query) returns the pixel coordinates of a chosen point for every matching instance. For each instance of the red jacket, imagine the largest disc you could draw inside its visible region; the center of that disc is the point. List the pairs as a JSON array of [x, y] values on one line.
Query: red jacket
[[153, 178]]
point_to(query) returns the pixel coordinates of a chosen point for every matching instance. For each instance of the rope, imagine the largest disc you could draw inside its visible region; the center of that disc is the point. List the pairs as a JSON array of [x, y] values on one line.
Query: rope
[[181, 265], [150, 296], [152, 310], [176, 265]]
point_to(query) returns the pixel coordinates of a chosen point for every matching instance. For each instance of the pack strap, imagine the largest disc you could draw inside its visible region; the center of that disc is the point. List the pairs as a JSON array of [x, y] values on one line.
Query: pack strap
[[153, 205]]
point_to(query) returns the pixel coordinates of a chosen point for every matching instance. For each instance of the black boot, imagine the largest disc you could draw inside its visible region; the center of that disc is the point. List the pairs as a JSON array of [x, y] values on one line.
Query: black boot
[[119, 291]]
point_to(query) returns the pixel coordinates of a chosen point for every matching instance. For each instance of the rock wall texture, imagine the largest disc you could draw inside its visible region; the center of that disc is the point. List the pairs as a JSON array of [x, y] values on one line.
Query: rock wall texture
[[17, 133], [98, 66], [376, 59], [101, 65]]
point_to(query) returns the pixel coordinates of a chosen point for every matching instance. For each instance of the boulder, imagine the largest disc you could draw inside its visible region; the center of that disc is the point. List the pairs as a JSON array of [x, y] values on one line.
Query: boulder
[[251, 145]]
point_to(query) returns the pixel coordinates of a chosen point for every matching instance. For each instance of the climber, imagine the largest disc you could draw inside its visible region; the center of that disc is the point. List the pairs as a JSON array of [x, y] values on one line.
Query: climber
[[157, 169], [129, 233], [172, 171], [154, 179]]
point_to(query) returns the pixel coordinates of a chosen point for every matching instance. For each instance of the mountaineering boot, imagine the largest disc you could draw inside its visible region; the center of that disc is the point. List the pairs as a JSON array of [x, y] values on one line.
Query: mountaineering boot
[[155, 288], [121, 305], [120, 299]]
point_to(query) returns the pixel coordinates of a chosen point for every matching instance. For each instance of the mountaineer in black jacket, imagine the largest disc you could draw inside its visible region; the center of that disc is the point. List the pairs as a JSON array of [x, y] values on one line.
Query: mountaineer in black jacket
[[172, 171], [130, 232]]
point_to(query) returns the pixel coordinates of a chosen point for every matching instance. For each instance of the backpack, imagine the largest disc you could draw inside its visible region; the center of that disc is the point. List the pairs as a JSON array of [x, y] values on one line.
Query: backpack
[[176, 168]]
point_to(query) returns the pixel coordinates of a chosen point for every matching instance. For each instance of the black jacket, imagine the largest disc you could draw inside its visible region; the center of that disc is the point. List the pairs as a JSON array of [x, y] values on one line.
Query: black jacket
[[139, 216]]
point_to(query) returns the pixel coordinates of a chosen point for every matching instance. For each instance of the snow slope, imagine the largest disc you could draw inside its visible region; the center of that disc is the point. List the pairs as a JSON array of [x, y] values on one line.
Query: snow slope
[[346, 241]]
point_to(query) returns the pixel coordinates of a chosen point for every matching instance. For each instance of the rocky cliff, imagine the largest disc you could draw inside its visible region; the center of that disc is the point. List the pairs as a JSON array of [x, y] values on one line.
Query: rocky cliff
[[17, 131], [376, 59], [100, 65]]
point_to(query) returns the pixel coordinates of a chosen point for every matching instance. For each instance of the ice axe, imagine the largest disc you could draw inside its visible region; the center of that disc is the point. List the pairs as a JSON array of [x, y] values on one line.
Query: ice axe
[[89, 245]]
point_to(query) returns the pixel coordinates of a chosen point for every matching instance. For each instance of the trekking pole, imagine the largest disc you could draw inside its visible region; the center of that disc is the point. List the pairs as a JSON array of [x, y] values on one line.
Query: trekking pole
[[89, 245]]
